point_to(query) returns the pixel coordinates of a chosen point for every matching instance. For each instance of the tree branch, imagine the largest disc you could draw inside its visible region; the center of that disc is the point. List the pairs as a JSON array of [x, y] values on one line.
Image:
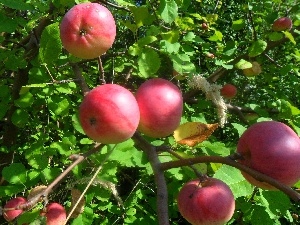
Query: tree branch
[[231, 162]]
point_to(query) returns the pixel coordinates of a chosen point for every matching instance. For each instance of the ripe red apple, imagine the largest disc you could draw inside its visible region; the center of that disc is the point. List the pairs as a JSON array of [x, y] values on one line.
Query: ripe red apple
[[55, 214], [204, 26], [273, 149], [228, 91], [252, 71], [161, 104], [87, 30], [109, 114], [10, 215], [210, 202], [281, 24]]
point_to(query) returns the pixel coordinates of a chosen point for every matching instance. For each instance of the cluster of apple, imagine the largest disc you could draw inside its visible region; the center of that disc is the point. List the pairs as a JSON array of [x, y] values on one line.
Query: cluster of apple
[[269, 147], [54, 212]]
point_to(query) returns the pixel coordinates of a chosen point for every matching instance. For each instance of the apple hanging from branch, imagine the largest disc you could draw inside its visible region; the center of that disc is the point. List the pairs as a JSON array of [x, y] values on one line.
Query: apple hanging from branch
[[10, 215], [161, 104], [282, 24], [228, 91], [109, 114], [208, 202], [272, 148], [87, 30]]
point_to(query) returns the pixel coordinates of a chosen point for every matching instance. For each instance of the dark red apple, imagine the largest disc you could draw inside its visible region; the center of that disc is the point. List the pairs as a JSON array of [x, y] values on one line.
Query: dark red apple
[[210, 202], [282, 24], [161, 104], [273, 149], [87, 30], [228, 91], [109, 114], [55, 214], [10, 215]]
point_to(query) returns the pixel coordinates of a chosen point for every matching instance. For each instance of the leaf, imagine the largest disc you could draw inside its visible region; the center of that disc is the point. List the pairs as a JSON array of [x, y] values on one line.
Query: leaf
[[171, 36], [146, 40], [235, 180], [15, 173], [58, 105], [169, 47], [218, 36], [290, 37], [8, 24], [240, 129], [148, 62], [238, 24], [75, 194], [257, 48], [50, 44], [17, 4], [168, 10], [243, 64], [25, 100], [20, 118], [49, 174], [193, 133], [141, 15]]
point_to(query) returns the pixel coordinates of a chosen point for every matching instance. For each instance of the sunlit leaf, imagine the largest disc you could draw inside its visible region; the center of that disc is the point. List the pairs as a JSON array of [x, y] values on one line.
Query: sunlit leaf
[[193, 133], [15, 173], [290, 37], [257, 48], [148, 62], [243, 64], [168, 10]]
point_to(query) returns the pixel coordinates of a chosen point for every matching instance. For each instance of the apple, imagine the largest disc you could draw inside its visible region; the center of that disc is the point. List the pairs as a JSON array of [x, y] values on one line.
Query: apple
[[204, 26], [282, 24], [87, 30], [55, 214], [228, 91], [109, 114], [252, 71], [161, 104], [10, 215], [208, 202], [272, 148]]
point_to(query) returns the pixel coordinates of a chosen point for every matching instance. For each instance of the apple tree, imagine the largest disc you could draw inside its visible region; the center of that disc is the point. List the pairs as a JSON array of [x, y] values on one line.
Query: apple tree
[[129, 112]]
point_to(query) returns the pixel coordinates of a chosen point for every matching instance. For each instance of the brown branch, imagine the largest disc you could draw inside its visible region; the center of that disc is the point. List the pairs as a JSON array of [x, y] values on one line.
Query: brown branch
[[101, 70], [162, 191], [231, 162], [81, 81], [43, 195]]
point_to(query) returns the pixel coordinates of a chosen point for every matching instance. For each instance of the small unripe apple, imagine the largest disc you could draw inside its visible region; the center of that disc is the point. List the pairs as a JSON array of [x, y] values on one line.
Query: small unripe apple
[[204, 26], [210, 55], [161, 104], [87, 30], [228, 91], [210, 202], [252, 71], [10, 215], [109, 114], [55, 214], [272, 148], [282, 24]]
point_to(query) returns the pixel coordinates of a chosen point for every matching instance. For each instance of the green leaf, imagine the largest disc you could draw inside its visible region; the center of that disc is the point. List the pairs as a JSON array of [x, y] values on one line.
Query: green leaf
[[171, 36], [17, 4], [141, 15], [146, 40], [148, 62], [243, 64], [168, 10], [58, 105], [8, 24], [235, 180], [15, 173], [223, 64], [259, 216], [49, 174], [50, 44], [20, 118], [169, 47], [76, 123], [238, 24], [290, 37], [240, 129], [217, 148], [25, 100], [276, 36], [217, 36], [257, 48]]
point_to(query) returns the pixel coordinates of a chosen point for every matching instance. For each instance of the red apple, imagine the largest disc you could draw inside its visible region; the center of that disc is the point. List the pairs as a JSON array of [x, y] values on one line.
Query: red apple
[[210, 202], [87, 30], [281, 24], [228, 91], [109, 114], [252, 71], [204, 26], [10, 215], [161, 104], [55, 214], [273, 149]]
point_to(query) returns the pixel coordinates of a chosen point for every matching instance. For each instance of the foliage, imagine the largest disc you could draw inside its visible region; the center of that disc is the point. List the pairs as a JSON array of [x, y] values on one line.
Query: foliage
[[40, 95]]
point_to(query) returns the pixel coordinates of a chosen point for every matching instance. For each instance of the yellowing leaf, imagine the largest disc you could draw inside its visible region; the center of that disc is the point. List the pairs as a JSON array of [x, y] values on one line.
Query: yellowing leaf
[[192, 133]]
